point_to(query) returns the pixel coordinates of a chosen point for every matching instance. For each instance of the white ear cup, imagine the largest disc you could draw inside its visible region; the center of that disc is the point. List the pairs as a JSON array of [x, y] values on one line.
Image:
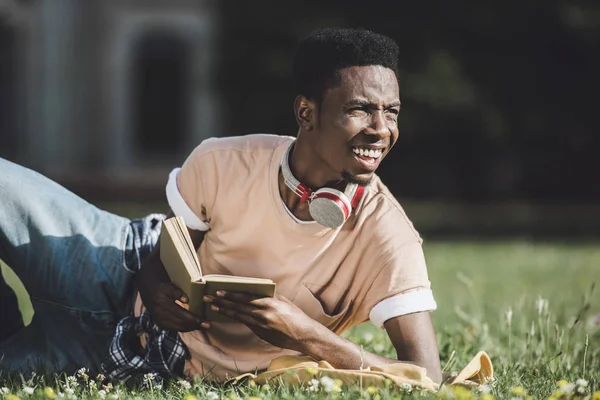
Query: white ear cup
[[329, 207]]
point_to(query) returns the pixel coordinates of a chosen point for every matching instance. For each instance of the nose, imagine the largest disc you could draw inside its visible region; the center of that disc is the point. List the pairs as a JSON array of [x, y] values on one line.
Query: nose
[[378, 126]]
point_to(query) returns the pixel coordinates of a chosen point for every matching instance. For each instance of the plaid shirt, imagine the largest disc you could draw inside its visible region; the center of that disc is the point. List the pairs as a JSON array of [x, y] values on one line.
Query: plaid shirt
[[165, 353]]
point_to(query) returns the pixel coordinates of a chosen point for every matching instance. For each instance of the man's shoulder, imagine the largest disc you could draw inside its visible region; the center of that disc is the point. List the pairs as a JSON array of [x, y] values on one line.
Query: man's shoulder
[[249, 144], [385, 211]]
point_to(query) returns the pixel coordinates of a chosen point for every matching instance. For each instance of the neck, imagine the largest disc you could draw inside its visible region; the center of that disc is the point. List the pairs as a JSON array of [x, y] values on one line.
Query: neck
[[292, 200], [309, 169]]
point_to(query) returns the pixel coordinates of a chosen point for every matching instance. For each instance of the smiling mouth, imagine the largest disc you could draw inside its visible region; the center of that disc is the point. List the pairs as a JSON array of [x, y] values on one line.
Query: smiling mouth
[[368, 158], [366, 153]]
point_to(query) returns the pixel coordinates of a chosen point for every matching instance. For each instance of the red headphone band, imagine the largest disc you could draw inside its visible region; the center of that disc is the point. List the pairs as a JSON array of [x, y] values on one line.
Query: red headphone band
[[304, 193], [358, 195]]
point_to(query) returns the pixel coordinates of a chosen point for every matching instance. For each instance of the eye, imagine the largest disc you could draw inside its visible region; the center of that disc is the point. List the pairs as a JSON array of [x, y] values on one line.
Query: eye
[[392, 113], [357, 111]]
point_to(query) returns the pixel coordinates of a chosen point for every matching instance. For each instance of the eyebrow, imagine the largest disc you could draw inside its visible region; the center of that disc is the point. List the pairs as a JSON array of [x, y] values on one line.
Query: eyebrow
[[364, 103]]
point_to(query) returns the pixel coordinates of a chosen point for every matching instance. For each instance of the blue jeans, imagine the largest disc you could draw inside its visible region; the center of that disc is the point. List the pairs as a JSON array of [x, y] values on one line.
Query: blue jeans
[[78, 264]]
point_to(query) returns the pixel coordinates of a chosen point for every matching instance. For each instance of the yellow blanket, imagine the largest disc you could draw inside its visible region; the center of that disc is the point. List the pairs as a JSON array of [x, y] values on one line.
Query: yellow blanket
[[295, 370]]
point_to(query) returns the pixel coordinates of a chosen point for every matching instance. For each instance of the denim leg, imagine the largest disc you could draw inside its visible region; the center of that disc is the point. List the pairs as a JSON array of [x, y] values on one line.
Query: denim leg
[[71, 258], [10, 317]]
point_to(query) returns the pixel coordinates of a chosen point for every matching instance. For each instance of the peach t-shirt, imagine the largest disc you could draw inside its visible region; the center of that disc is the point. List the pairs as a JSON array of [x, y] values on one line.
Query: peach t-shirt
[[336, 276]]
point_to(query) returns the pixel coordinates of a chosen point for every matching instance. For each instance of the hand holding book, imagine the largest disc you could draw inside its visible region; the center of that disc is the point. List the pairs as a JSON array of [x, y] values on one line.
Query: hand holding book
[[179, 258], [275, 320]]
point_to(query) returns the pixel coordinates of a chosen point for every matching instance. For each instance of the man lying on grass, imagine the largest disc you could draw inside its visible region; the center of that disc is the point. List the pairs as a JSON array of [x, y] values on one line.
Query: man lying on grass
[[309, 213]]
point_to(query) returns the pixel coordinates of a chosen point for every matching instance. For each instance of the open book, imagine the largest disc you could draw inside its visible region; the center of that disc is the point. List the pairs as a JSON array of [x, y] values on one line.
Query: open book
[[178, 255]]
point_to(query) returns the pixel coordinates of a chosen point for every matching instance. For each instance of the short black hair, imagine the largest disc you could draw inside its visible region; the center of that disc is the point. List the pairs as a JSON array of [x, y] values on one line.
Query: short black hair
[[320, 57]]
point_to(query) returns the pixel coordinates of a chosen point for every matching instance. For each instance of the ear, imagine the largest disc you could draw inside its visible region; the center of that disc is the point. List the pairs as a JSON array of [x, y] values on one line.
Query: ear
[[304, 111]]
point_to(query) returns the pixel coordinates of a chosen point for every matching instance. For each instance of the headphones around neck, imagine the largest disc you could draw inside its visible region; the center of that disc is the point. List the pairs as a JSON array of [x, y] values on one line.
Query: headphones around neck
[[328, 207]]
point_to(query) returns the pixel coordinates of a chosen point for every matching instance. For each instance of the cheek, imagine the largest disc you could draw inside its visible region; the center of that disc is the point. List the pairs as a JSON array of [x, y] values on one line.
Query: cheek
[[349, 127], [395, 132], [339, 131]]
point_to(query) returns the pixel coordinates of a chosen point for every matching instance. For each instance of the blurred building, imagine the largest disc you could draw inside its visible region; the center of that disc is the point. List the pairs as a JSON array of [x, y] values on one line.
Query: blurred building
[[102, 94]]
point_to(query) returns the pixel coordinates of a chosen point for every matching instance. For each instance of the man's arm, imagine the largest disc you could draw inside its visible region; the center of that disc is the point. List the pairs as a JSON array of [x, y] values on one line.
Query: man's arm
[[281, 323], [414, 339], [412, 335], [159, 294]]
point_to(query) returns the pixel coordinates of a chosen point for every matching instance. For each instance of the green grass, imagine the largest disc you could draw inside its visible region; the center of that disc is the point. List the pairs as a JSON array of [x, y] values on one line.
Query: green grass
[[552, 334]]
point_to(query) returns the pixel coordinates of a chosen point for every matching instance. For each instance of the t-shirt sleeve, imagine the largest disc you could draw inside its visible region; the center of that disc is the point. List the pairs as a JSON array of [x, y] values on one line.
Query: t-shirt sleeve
[[190, 189], [401, 287]]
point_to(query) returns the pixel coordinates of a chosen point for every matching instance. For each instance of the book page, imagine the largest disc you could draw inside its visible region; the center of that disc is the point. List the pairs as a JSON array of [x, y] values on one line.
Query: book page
[[175, 255], [189, 246]]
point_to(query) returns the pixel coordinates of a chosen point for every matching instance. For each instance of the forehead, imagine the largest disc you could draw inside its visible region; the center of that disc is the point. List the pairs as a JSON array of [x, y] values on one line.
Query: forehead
[[373, 83]]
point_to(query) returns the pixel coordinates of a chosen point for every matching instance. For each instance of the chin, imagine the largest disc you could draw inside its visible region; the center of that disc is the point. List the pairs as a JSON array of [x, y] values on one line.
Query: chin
[[360, 179]]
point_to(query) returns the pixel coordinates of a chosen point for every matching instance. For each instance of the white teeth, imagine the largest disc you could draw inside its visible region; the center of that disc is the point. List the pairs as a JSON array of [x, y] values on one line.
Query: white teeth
[[367, 153]]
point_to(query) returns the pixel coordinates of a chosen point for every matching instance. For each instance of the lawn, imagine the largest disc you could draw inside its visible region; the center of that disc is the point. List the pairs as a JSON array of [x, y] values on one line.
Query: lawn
[[530, 305]]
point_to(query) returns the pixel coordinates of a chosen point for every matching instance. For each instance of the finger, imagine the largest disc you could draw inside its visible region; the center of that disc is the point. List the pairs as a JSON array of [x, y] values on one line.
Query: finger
[[245, 313], [240, 307], [239, 297], [183, 305], [168, 321], [170, 291], [247, 319], [169, 310]]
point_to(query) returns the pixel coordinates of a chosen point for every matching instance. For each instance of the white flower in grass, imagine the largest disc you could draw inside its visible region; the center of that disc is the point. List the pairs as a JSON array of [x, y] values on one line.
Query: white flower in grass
[[329, 384], [313, 385], [60, 395], [72, 381], [185, 384], [484, 389], [211, 395], [581, 382], [69, 391], [4, 390], [102, 394], [581, 387], [406, 387], [82, 373], [490, 381], [149, 377], [93, 386], [28, 389]]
